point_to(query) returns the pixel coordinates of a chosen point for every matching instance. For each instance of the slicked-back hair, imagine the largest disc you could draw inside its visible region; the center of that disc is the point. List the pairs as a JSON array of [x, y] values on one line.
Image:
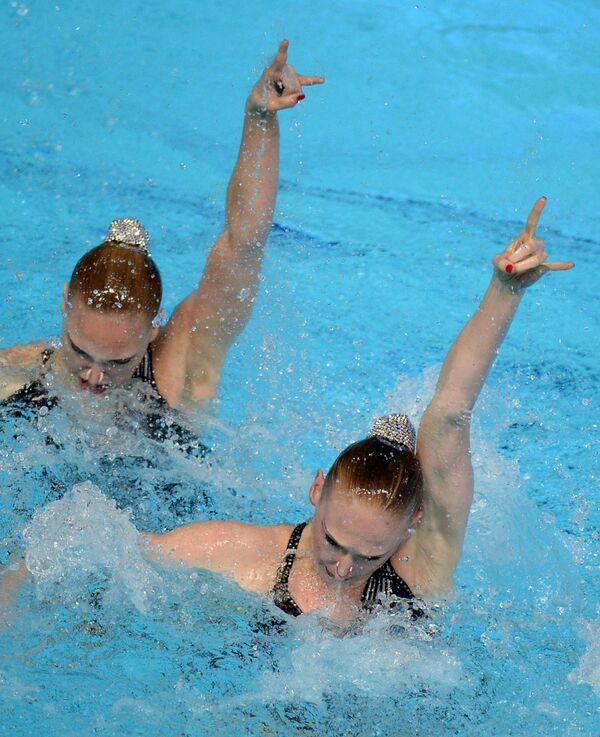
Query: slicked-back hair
[[388, 474], [117, 278]]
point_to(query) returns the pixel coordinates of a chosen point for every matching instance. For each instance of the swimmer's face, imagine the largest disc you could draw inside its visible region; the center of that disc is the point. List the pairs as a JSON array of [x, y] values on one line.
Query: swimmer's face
[[352, 537], [103, 349]]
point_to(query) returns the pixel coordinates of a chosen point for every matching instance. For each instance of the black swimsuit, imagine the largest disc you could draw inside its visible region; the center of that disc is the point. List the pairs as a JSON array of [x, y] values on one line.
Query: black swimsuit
[[384, 582], [157, 426], [33, 395]]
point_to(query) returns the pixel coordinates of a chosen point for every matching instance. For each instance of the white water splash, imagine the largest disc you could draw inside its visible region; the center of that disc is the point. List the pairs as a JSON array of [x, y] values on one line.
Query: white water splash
[[589, 665], [84, 536]]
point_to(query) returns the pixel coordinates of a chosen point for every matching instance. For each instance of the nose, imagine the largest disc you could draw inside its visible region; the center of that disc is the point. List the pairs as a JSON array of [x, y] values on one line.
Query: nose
[[343, 567], [94, 375]]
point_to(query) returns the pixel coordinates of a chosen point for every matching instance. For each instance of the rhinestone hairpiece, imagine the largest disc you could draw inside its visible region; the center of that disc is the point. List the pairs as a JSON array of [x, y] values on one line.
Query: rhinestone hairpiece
[[128, 232], [395, 429]]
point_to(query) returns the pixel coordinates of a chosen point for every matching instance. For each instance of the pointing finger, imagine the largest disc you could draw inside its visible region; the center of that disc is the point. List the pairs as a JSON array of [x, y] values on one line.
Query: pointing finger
[[559, 265], [534, 216], [280, 57], [306, 81]]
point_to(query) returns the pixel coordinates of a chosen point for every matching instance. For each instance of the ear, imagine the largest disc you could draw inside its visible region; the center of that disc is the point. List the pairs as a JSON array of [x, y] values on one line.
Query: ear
[[316, 488], [65, 298], [156, 323], [417, 517]]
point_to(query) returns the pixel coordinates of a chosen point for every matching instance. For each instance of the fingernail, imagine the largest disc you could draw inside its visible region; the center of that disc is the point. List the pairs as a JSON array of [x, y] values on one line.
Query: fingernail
[[509, 268], [301, 97]]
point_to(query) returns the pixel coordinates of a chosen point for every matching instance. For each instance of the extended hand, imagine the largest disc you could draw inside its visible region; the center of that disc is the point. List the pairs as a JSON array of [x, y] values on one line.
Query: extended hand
[[279, 86], [523, 262]]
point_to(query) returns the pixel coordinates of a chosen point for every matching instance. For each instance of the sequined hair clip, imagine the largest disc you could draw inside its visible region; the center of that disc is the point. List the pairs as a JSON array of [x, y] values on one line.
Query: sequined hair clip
[[396, 430], [129, 232]]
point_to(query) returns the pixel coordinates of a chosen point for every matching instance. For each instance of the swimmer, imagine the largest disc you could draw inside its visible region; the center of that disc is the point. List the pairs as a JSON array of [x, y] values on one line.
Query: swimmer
[[390, 516], [111, 306]]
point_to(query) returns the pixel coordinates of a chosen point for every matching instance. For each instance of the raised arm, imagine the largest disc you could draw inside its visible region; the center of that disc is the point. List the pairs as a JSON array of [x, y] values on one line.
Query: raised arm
[[443, 440], [191, 352]]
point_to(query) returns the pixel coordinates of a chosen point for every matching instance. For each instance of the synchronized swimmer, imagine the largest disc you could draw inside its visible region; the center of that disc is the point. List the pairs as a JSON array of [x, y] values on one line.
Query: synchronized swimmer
[[390, 516], [112, 304]]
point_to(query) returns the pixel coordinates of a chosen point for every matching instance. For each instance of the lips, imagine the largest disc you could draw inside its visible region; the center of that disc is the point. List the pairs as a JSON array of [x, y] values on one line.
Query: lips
[[93, 388]]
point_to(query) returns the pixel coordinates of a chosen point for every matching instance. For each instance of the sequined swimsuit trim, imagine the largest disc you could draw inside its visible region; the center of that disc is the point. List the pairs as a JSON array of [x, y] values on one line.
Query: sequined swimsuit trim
[[145, 372], [281, 592]]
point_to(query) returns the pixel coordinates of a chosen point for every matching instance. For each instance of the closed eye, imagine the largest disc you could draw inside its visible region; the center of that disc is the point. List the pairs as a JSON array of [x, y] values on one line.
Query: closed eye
[[79, 351], [330, 541], [113, 362]]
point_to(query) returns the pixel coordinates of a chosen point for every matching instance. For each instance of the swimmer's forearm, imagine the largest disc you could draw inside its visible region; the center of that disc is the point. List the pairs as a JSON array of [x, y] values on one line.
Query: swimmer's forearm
[[469, 360], [252, 188], [444, 433], [216, 313]]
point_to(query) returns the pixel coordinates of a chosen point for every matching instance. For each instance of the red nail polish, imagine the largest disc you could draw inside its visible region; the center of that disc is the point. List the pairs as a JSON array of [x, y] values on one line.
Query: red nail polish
[[509, 268], [301, 97]]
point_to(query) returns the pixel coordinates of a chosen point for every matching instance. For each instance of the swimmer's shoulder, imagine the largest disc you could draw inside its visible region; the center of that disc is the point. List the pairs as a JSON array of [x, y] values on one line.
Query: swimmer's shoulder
[[249, 553], [264, 546], [28, 355], [18, 365]]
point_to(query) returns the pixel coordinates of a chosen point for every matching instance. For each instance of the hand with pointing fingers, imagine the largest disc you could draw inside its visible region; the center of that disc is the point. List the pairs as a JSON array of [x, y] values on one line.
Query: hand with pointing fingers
[[523, 262], [279, 86]]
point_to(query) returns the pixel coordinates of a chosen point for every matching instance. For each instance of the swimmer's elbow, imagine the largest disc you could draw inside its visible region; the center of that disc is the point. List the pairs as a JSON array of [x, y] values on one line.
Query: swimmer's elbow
[[443, 416]]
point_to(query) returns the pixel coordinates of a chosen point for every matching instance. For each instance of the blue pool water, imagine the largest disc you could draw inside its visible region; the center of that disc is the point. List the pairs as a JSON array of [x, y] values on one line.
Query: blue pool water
[[437, 128]]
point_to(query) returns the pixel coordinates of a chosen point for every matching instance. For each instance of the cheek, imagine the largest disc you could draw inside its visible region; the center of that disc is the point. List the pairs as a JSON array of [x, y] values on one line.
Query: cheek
[[324, 553], [121, 372], [73, 361], [367, 567]]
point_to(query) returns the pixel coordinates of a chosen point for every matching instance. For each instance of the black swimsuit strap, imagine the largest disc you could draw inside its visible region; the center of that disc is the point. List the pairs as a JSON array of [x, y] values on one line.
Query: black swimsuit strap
[[281, 594], [385, 582], [145, 370]]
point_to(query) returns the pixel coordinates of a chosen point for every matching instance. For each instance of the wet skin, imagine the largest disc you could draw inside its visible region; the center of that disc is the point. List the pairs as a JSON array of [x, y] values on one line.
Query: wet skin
[[352, 536], [103, 349]]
